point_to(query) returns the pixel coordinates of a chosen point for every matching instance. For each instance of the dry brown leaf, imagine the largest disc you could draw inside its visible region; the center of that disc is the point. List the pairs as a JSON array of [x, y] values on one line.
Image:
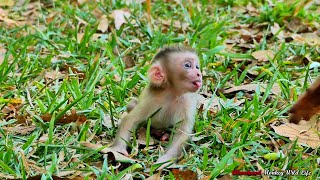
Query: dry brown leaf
[[66, 118], [9, 109], [6, 176], [38, 177], [106, 121], [136, 40], [6, 3], [43, 138], [206, 178], [54, 75], [306, 134], [183, 175], [239, 160], [120, 17], [154, 177], [117, 156], [251, 8], [311, 38], [263, 55], [215, 104], [142, 139], [18, 129], [50, 17], [117, 77], [225, 177], [253, 87], [94, 37], [24, 160], [82, 1], [275, 30], [128, 2], [66, 70], [67, 173], [2, 53], [9, 22], [103, 24], [129, 62], [296, 26]]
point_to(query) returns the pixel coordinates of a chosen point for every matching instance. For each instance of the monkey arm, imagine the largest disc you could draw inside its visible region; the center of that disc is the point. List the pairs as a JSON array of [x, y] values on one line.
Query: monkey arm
[[130, 122], [179, 141]]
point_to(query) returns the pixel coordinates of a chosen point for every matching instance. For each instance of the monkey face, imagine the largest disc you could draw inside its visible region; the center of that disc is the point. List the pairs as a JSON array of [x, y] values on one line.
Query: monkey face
[[187, 69]]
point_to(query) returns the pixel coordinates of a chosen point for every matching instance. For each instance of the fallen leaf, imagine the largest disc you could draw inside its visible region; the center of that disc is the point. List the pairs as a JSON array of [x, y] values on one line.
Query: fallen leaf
[[103, 24], [43, 138], [136, 40], [82, 1], [38, 177], [240, 161], [106, 121], [50, 17], [117, 156], [6, 176], [304, 133], [129, 62], [224, 177], [120, 17], [54, 75], [311, 38], [263, 55], [154, 177], [66, 69], [66, 118], [8, 109], [6, 3], [253, 87], [307, 105], [69, 173], [2, 53], [183, 175], [214, 105], [142, 137], [295, 25], [19, 129], [276, 30], [128, 2], [94, 37], [177, 24]]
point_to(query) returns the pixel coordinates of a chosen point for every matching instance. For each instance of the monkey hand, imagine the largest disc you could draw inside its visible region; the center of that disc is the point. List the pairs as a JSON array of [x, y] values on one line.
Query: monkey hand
[[120, 148], [165, 163], [166, 159]]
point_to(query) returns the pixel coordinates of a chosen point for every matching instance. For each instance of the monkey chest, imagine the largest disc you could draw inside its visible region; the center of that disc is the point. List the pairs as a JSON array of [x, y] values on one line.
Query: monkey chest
[[169, 116]]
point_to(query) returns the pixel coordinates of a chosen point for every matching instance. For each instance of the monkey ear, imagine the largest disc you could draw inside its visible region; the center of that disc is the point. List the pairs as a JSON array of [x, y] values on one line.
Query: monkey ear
[[156, 75]]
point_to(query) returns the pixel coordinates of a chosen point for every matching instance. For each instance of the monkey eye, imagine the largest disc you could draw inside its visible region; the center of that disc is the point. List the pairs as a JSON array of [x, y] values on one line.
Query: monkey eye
[[197, 66], [187, 65]]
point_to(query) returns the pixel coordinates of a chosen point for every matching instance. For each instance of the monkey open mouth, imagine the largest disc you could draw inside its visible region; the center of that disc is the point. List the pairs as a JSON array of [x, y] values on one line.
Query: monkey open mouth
[[197, 83]]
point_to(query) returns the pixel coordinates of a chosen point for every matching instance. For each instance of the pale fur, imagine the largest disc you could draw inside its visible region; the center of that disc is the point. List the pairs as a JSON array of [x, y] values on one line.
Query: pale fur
[[177, 109]]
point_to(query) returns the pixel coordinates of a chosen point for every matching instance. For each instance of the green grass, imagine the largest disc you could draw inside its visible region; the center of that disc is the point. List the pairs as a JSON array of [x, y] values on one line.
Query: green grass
[[96, 83]]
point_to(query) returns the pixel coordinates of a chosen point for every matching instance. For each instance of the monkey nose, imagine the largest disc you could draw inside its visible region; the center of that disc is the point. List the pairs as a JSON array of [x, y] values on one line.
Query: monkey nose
[[198, 74]]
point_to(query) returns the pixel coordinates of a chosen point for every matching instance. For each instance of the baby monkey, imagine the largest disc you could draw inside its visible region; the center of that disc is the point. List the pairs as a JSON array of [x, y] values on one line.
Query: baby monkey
[[174, 80]]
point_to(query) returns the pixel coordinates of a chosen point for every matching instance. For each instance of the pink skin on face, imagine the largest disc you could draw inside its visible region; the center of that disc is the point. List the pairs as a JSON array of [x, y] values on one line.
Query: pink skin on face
[[197, 79]]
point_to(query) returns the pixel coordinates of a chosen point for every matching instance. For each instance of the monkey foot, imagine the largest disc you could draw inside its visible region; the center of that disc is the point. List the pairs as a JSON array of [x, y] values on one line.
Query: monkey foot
[[165, 137], [119, 149]]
